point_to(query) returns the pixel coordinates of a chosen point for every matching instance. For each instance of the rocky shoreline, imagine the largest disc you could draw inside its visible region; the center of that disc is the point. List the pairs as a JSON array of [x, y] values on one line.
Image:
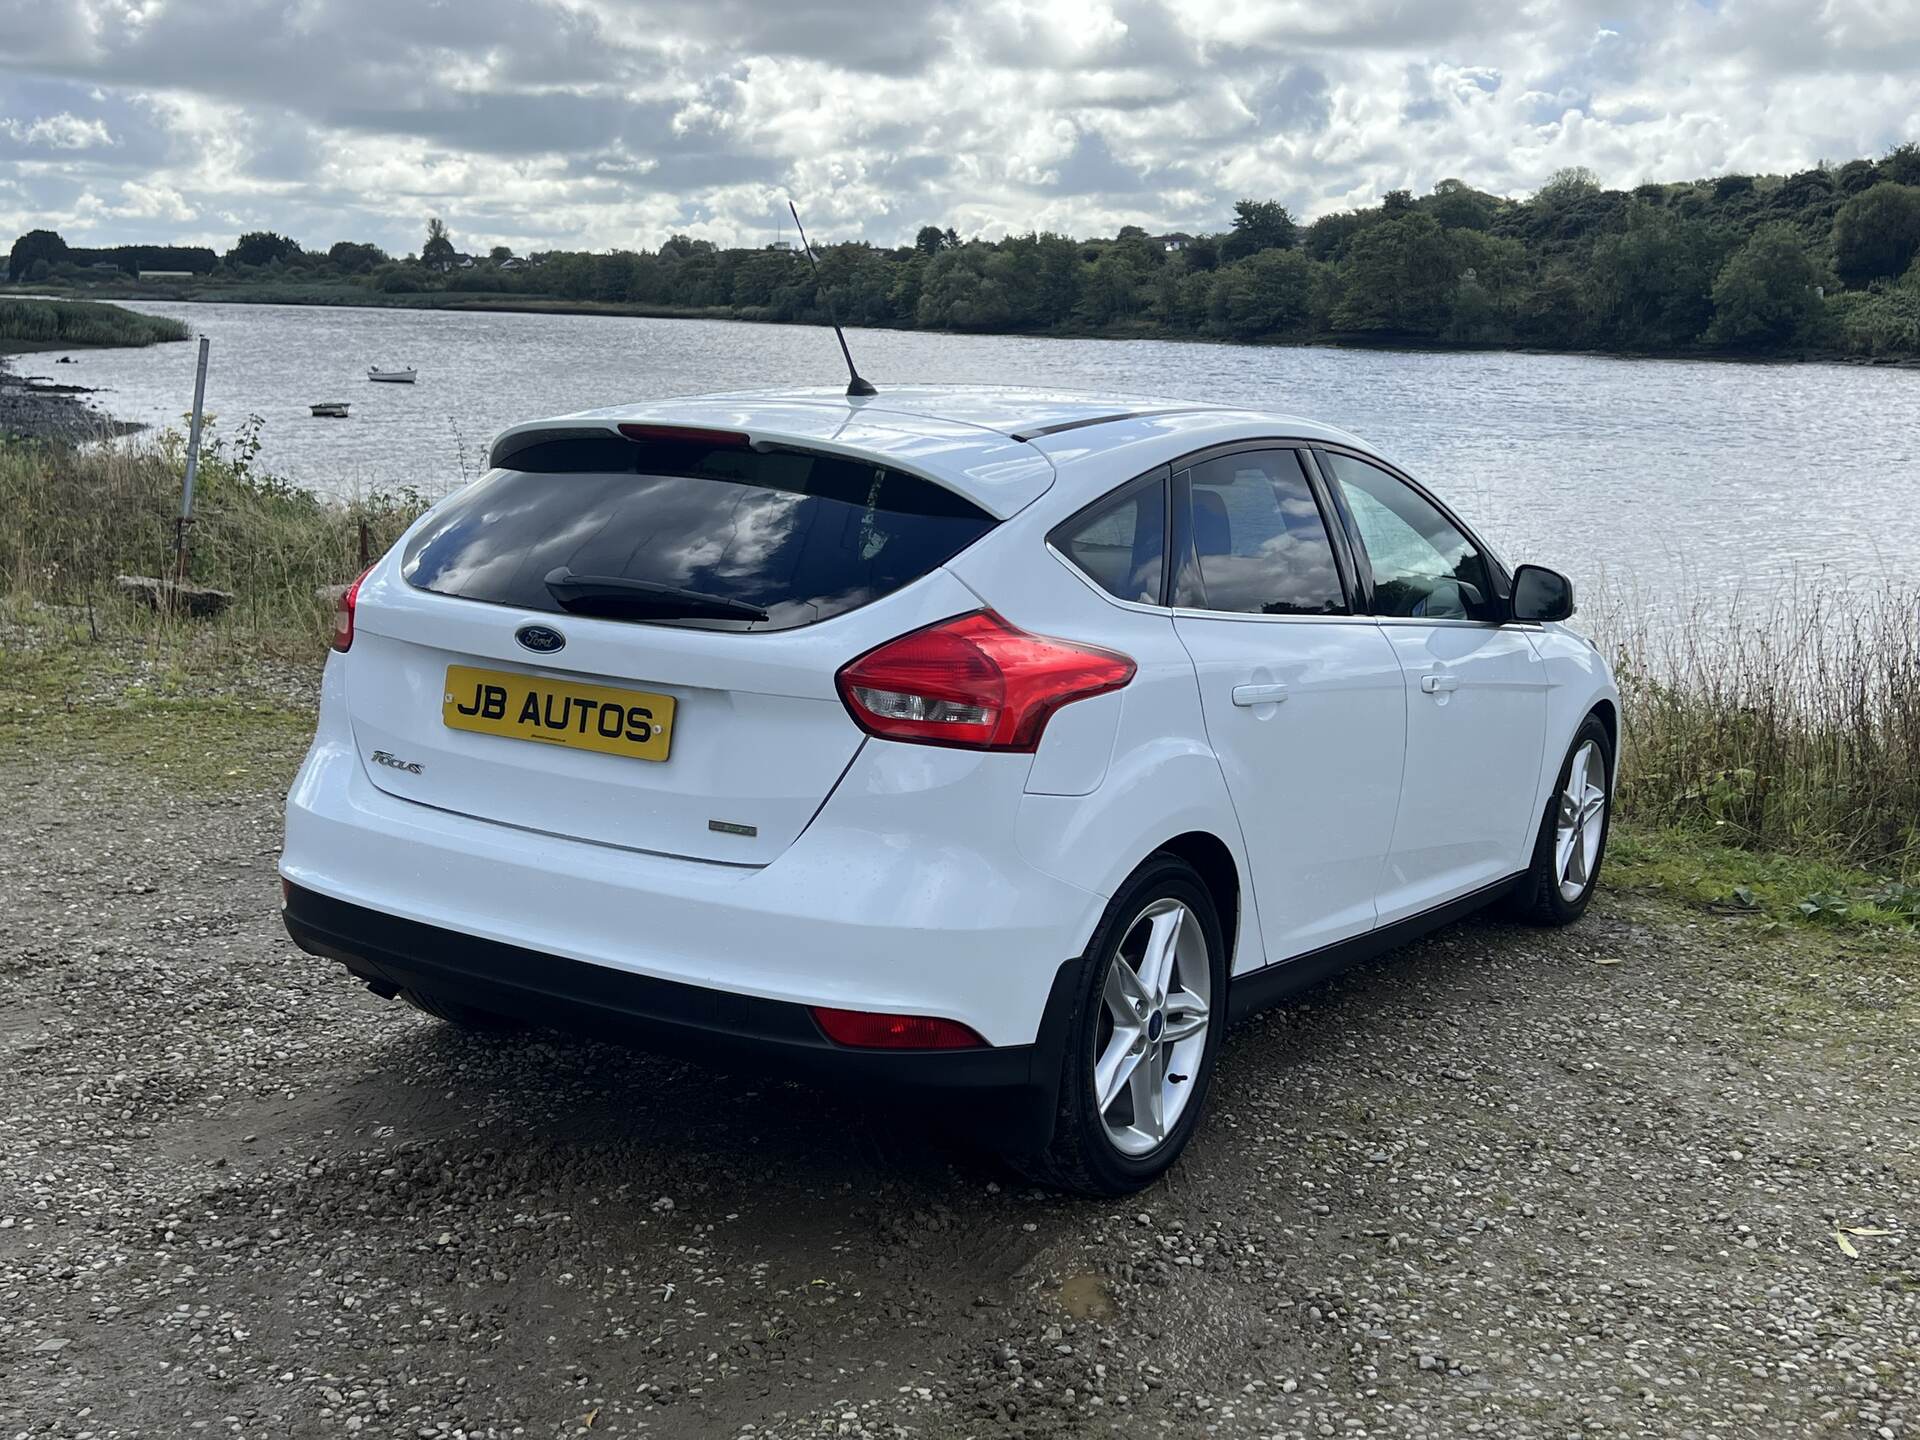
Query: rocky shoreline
[[36, 408]]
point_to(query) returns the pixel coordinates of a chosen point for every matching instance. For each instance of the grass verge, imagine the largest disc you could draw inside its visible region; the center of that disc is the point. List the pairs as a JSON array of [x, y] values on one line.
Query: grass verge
[[209, 709], [1770, 888]]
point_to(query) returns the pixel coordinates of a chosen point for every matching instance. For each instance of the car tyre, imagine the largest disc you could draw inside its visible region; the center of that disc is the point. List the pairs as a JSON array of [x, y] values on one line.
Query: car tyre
[[1572, 841], [457, 1012], [1144, 1032]]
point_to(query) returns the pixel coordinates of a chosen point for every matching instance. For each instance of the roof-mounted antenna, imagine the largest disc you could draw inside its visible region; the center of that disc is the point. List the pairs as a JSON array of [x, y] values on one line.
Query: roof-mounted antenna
[[855, 385]]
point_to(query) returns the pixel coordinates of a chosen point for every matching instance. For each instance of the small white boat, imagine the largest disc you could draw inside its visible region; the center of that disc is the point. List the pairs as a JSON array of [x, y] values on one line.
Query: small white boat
[[330, 409], [392, 377]]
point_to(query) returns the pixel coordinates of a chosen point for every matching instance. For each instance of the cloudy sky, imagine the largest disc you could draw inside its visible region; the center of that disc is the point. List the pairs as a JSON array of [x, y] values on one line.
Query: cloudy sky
[[602, 123]]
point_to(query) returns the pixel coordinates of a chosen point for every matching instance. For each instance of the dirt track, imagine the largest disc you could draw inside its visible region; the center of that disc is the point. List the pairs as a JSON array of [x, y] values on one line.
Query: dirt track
[[1506, 1182]]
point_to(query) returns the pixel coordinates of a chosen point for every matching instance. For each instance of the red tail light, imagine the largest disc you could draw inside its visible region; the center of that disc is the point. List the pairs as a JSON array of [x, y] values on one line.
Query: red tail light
[[870, 1030], [343, 613], [974, 682]]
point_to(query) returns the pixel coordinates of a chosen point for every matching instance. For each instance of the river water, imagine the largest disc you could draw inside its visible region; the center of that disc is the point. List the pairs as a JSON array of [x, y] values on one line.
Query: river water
[[1650, 477]]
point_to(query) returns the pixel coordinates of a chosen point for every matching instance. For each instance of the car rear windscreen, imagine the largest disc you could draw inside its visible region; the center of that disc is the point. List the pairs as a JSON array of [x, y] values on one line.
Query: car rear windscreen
[[688, 533]]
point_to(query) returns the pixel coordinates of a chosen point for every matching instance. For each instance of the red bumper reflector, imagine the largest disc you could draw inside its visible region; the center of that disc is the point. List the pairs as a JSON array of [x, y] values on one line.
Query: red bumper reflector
[[868, 1030]]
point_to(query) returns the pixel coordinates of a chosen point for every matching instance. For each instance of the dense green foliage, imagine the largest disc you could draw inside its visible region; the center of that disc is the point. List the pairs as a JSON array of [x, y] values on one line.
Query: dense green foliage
[[438, 251], [350, 258], [79, 322], [37, 247], [1877, 233], [46, 251], [1824, 260], [261, 247], [1766, 293]]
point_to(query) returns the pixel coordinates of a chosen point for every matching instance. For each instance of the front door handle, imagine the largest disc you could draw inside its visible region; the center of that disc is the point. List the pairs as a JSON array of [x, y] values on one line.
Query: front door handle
[[1249, 695], [1439, 684]]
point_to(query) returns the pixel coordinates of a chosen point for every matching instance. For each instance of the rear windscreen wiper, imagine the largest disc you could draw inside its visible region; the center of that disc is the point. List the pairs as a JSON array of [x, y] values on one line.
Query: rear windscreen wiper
[[581, 591]]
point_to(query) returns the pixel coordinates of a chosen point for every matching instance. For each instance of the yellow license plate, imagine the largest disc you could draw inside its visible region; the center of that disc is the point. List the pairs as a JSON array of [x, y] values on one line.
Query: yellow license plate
[[558, 712]]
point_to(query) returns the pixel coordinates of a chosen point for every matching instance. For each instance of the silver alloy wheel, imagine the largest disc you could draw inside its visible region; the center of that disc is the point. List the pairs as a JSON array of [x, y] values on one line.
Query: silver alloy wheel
[[1582, 822], [1156, 1004]]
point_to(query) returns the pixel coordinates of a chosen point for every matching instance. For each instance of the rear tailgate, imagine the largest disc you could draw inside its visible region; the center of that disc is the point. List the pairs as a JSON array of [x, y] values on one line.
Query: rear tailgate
[[755, 736], [757, 742]]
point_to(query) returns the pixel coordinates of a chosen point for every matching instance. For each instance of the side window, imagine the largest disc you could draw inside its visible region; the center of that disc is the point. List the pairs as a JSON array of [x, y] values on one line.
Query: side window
[[1258, 543], [1423, 567], [1121, 544]]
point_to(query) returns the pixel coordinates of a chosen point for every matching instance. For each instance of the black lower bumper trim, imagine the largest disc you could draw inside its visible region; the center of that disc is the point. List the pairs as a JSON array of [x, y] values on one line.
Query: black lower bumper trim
[[665, 1015]]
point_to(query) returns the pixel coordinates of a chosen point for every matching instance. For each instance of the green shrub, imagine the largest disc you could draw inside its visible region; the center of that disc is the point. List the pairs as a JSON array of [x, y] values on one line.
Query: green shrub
[[1882, 321]]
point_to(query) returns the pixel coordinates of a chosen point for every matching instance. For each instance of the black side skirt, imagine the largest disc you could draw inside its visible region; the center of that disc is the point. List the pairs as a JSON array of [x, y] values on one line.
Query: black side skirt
[[1257, 989]]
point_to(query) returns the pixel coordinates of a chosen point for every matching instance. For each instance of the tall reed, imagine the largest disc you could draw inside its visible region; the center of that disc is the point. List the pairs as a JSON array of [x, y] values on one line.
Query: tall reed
[[1791, 724], [78, 516], [83, 322]]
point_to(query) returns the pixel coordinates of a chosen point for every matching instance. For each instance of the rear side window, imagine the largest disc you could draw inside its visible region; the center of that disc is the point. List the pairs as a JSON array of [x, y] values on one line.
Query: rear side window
[[1121, 543], [1258, 545], [689, 534]]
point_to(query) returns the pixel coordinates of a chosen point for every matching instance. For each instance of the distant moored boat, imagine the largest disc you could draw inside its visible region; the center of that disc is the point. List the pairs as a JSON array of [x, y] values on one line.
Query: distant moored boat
[[392, 377], [330, 409]]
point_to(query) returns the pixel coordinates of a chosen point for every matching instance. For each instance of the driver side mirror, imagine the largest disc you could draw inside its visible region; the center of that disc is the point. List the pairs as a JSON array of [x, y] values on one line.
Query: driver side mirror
[[1541, 595]]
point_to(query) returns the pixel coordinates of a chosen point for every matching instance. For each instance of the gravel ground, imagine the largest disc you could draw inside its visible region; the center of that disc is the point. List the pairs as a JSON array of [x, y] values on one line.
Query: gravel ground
[[1596, 1183]]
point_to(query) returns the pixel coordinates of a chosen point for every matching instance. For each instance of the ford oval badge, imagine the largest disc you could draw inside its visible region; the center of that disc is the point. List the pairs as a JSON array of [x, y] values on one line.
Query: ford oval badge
[[541, 639]]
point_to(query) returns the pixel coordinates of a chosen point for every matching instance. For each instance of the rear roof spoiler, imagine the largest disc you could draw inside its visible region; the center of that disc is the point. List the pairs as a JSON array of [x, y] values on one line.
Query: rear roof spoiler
[[514, 441]]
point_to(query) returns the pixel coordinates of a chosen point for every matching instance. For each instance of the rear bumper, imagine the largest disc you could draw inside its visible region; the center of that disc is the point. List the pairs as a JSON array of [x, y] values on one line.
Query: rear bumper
[[906, 895], [716, 1026]]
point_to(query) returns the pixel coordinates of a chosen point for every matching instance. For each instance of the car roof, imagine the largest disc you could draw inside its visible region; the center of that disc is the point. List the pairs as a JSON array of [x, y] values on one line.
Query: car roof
[[1000, 446]]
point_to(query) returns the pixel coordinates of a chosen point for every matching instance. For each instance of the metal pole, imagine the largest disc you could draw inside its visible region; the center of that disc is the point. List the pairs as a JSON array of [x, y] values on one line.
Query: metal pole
[[193, 466]]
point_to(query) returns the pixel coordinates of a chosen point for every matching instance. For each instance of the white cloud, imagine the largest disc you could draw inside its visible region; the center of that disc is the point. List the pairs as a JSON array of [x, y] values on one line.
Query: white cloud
[[57, 132], [596, 123], [153, 202]]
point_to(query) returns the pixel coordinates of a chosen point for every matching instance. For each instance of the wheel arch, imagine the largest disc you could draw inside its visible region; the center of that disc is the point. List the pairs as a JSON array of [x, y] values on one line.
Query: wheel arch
[[1168, 795], [1214, 862], [1579, 685], [1609, 713]]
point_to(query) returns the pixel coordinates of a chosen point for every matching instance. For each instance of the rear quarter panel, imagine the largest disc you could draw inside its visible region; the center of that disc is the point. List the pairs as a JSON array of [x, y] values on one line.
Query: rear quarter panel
[[1159, 779]]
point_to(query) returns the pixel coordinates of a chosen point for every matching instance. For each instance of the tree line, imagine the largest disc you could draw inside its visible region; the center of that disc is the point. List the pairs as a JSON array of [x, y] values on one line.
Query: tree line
[[1820, 260], [43, 254]]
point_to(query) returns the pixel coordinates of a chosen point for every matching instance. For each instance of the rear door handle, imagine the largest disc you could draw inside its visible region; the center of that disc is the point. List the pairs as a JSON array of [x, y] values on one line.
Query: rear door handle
[[1249, 695], [1439, 684]]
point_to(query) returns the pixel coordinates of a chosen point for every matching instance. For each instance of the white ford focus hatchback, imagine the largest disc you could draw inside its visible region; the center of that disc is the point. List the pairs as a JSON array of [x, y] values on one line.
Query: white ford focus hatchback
[[990, 741]]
